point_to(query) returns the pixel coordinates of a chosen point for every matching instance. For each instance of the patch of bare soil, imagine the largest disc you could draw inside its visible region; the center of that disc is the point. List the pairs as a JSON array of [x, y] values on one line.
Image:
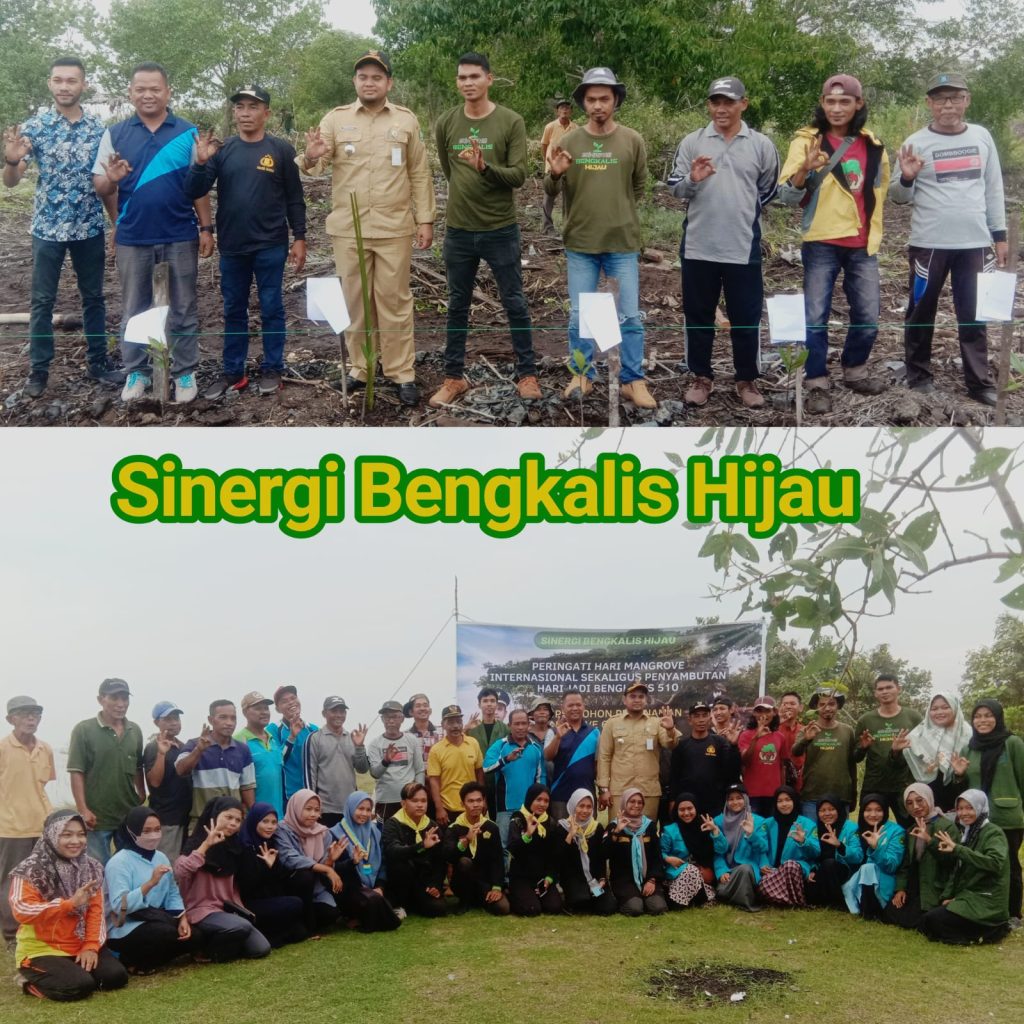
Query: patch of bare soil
[[710, 984], [312, 396]]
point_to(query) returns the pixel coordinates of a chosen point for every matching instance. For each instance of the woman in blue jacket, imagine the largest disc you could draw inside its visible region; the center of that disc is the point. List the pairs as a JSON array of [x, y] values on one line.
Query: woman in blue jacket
[[740, 849], [792, 849], [871, 887], [689, 855], [840, 853]]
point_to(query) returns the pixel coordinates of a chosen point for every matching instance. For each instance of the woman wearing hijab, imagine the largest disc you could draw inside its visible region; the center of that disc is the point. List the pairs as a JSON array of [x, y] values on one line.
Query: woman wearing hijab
[[793, 849], [931, 747], [976, 895], [840, 853], [922, 876], [206, 874], [634, 858], [361, 867], [304, 844], [994, 763], [146, 920], [56, 896], [740, 848], [532, 843], [582, 862], [689, 856], [413, 857], [280, 898], [872, 885]]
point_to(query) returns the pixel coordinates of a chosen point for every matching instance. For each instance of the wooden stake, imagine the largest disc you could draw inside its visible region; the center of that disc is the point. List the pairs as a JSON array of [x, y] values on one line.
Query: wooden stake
[[611, 284], [161, 358], [1006, 343]]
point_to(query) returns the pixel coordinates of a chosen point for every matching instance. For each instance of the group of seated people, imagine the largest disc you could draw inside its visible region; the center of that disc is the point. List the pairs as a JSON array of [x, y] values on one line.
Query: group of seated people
[[247, 882]]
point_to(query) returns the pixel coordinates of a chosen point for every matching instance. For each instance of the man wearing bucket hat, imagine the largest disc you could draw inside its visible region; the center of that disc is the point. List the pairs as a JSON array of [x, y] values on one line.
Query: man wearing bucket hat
[[453, 761], [728, 172], [26, 766], [950, 171], [374, 150], [395, 759], [830, 749], [602, 167], [838, 172]]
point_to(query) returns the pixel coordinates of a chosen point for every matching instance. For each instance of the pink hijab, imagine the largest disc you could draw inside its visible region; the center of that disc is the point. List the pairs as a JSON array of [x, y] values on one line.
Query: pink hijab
[[312, 843]]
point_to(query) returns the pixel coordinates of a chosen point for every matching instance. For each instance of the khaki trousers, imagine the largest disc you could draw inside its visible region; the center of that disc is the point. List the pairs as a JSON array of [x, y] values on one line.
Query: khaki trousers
[[387, 273]]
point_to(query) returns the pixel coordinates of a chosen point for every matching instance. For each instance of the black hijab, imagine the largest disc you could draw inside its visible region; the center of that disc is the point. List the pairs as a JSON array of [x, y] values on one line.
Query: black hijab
[[990, 744], [871, 798], [222, 858], [131, 828], [784, 821], [828, 851], [699, 843]]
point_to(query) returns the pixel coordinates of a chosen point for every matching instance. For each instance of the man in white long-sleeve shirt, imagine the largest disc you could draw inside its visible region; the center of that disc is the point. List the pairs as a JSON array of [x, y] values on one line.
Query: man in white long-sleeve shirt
[[394, 759]]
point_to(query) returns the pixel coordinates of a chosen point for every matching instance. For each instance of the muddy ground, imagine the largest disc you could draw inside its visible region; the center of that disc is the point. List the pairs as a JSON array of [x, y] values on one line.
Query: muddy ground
[[312, 392]]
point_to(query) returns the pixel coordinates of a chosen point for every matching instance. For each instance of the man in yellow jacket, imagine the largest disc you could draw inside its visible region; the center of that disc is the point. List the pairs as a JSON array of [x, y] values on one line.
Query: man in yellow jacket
[[838, 172]]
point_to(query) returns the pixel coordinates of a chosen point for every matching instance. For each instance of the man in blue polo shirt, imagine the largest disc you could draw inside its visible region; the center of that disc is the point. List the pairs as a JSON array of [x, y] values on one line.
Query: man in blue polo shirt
[[573, 753], [267, 755], [516, 764], [291, 732], [145, 160]]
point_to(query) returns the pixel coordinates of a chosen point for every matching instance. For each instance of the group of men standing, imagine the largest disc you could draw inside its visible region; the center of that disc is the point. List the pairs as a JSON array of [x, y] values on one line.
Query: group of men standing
[[154, 172]]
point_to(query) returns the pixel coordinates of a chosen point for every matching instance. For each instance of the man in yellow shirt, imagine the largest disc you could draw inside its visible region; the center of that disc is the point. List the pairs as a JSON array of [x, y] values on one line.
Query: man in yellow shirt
[[374, 151], [26, 766], [553, 134], [453, 761]]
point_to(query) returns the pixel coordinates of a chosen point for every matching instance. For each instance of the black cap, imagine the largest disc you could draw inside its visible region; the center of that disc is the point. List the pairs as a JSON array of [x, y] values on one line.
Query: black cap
[[374, 57], [451, 711], [112, 686], [699, 705], [251, 92], [731, 88]]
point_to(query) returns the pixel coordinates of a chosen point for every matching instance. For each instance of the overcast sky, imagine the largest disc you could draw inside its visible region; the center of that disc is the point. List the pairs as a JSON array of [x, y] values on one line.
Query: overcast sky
[[194, 612]]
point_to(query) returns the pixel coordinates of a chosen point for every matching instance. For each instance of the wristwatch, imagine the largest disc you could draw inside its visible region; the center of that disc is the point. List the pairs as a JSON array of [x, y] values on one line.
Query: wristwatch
[[206, 227]]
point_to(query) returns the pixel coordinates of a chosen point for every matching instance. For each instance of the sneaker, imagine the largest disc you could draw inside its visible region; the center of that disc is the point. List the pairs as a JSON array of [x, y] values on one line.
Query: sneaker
[[987, 396], [636, 392], [818, 401], [185, 389], [354, 383], [36, 384], [749, 395], [578, 383], [106, 372], [699, 391], [409, 393], [866, 386], [228, 382], [135, 386], [269, 382], [528, 388], [449, 391]]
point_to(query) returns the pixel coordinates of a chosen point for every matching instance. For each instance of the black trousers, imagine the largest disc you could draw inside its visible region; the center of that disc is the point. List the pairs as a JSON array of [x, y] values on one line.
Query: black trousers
[[59, 978], [827, 888], [941, 925], [471, 891], [1014, 838], [579, 899], [282, 919], [523, 898], [907, 916], [406, 888], [369, 908], [151, 945]]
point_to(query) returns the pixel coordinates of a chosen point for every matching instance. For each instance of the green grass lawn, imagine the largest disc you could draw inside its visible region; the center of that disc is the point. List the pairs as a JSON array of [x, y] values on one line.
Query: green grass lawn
[[479, 970]]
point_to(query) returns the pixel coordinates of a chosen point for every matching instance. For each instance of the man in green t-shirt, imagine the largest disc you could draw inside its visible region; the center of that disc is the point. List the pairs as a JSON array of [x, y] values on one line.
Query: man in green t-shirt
[[886, 771], [603, 168], [830, 766], [482, 150]]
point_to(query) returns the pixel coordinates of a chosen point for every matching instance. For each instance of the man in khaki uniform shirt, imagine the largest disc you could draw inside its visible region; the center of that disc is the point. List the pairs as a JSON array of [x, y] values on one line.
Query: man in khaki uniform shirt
[[553, 134], [373, 149], [629, 751]]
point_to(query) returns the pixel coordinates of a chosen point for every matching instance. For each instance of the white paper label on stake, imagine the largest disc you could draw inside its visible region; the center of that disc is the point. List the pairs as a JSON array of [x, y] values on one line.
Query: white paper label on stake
[[396, 156], [786, 323], [326, 302], [599, 319], [995, 296], [148, 327]]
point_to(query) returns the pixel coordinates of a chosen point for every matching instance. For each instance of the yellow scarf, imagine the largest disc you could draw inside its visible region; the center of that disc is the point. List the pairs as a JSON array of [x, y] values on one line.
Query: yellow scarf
[[541, 818], [419, 829], [583, 832], [466, 823]]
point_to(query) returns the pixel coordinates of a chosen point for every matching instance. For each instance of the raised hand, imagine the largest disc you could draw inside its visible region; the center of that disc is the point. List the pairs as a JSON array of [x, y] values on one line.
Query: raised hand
[[910, 162], [814, 159], [267, 854], [514, 754], [901, 741], [811, 730], [391, 753], [359, 734], [574, 828], [619, 826], [872, 836], [432, 837], [316, 145], [117, 168], [798, 833], [158, 872], [701, 168], [163, 743], [84, 893], [865, 739], [562, 727], [947, 844], [205, 740], [960, 764], [207, 145], [16, 145], [336, 849], [920, 831], [829, 836], [748, 824], [474, 156], [474, 832], [707, 824], [531, 824], [665, 718], [474, 720], [559, 160], [214, 836], [295, 727]]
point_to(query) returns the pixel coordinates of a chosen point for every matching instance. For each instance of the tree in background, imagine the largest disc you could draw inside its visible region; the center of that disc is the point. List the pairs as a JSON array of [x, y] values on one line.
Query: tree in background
[[323, 78], [998, 671]]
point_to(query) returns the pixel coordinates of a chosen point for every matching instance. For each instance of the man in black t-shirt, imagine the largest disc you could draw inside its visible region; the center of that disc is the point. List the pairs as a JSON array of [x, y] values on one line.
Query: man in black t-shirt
[[259, 195], [704, 764], [170, 794]]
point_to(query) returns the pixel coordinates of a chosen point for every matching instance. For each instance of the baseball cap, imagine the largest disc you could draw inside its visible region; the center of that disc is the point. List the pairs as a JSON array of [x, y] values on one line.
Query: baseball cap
[[112, 686], [731, 88], [164, 708], [253, 698], [282, 690], [23, 704], [765, 702], [374, 57], [636, 685], [699, 705], [252, 92], [842, 85], [946, 80], [330, 703], [451, 711], [391, 705]]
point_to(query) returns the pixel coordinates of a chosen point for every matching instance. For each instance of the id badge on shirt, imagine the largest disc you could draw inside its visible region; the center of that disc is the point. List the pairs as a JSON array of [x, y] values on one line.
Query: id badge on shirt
[[396, 156], [650, 742]]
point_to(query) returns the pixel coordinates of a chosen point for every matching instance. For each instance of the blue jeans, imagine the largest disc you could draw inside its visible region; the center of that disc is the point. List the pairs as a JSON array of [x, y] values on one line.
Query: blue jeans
[[236, 275], [822, 265], [584, 273], [87, 258], [98, 843]]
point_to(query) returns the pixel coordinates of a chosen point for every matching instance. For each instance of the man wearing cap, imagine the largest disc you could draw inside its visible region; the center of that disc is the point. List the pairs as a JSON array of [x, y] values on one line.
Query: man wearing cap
[[728, 173], [374, 150], [571, 753], [292, 732], [485, 727], [705, 763], [333, 756], [950, 171], [838, 172], [395, 759], [455, 760], [267, 755], [629, 751], [170, 794], [259, 196], [515, 764], [542, 711], [26, 766], [553, 133], [602, 168], [219, 764], [105, 766], [482, 150], [830, 765], [723, 718]]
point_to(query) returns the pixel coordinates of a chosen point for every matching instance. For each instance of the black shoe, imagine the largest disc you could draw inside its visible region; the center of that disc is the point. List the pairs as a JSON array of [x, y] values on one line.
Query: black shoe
[[987, 396], [866, 386], [353, 384], [818, 401], [228, 382], [269, 383], [107, 373], [923, 387], [36, 383], [409, 393]]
